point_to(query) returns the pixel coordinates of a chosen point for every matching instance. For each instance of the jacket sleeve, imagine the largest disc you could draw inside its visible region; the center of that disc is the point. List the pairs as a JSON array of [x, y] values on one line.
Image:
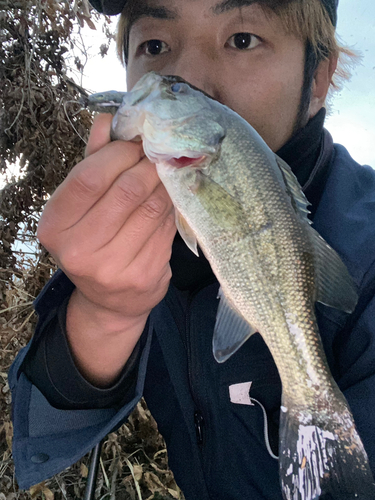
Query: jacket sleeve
[[50, 437], [49, 365], [356, 366], [349, 343]]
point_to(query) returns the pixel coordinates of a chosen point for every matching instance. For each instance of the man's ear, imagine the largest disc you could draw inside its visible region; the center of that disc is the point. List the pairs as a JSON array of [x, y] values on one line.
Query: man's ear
[[321, 82]]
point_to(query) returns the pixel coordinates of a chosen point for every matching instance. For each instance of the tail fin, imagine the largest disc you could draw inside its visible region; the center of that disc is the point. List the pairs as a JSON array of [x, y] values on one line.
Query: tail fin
[[323, 460]]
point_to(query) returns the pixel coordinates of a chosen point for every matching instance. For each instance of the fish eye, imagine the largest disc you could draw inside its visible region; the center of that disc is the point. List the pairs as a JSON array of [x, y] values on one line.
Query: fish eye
[[178, 87]]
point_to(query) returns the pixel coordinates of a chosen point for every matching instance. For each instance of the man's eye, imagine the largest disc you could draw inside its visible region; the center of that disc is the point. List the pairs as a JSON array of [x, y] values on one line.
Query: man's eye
[[154, 47], [243, 41]]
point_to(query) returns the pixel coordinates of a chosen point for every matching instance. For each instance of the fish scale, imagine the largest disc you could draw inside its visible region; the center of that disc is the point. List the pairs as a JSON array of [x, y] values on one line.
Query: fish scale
[[245, 208]]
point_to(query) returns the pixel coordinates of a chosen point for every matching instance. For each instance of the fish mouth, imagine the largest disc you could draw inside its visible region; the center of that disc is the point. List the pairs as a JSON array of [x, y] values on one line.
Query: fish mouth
[[186, 161]]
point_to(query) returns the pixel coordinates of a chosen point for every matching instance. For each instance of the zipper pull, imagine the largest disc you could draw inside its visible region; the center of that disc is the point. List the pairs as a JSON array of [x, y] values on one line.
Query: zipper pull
[[199, 423]]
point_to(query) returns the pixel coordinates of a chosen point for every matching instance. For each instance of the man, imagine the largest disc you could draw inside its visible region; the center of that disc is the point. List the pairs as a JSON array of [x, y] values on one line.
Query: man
[[129, 315]]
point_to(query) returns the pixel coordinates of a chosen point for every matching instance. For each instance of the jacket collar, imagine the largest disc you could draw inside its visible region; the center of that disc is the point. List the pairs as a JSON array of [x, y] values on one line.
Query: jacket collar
[[309, 153]]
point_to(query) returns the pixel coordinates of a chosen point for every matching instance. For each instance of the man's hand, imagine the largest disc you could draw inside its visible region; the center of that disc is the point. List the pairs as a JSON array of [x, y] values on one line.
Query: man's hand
[[110, 227]]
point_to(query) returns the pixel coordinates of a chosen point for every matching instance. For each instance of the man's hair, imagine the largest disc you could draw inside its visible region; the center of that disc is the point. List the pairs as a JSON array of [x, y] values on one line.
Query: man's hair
[[309, 21], [306, 19]]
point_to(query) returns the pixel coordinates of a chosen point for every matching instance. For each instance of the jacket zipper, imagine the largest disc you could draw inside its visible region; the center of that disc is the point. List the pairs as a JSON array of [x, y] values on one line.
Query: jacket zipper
[[199, 419]]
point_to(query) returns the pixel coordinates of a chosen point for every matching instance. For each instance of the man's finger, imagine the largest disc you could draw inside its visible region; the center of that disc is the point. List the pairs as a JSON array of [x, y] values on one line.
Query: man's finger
[[86, 184], [100, 133], [139, 266], [155, 215], [133, 191]]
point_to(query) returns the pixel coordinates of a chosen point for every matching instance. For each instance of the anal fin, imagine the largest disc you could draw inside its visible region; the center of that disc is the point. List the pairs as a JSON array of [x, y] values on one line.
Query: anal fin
[[231, 330]]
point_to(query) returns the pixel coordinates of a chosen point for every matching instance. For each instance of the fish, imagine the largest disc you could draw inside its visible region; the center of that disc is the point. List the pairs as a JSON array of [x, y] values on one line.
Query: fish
[[244, 208]]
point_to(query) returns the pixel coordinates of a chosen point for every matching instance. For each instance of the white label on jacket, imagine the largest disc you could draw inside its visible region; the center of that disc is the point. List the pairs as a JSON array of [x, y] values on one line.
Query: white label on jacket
[[240, 393]]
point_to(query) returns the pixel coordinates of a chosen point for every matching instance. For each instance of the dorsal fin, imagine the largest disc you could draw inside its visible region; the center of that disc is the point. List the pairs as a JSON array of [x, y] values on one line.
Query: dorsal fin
[[294, 190]]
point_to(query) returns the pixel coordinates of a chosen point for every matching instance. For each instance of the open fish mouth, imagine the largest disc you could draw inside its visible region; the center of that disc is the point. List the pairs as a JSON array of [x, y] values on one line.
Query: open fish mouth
[[186, 161]]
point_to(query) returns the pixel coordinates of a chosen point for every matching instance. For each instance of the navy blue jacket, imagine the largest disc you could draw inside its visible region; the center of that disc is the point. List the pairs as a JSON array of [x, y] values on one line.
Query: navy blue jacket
[[217, 448]]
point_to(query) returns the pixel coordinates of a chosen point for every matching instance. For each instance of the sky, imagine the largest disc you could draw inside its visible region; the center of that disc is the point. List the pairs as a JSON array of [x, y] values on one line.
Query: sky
[[352, 114]]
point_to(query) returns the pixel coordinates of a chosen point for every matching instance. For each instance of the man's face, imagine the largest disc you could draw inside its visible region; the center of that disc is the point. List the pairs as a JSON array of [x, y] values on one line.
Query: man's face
[[238, 55]]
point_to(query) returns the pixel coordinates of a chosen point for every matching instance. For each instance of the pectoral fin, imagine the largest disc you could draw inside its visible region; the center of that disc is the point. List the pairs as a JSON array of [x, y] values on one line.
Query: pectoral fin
[[225, 210], [231, 330]]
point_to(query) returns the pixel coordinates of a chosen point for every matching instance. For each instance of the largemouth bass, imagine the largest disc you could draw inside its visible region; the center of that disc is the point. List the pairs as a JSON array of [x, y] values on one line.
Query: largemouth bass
[[244, 207]]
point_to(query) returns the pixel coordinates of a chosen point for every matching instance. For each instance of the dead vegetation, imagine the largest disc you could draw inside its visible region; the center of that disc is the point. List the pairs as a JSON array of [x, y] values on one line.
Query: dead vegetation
[[43, 132]]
